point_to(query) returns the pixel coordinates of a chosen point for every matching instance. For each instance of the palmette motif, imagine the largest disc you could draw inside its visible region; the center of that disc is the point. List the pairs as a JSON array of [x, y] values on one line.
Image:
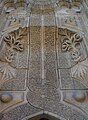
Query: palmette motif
[[70, 43], [80, 70], [7, 71]]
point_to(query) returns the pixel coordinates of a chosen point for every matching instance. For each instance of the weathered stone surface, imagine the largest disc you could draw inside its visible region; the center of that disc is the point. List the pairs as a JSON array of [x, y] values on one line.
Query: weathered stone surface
[[20, 112], [6, 97], [43, 60], [9, 99]]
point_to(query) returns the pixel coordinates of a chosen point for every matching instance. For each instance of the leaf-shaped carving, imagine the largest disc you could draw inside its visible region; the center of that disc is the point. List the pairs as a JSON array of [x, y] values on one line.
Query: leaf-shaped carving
[[14, 43], [13, 39], [70, 43], [9, 55], [7, 71], [80, 70]]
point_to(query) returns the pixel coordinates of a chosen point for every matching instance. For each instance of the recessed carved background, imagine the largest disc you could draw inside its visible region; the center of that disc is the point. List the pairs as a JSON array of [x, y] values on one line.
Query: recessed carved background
[[43, 61]]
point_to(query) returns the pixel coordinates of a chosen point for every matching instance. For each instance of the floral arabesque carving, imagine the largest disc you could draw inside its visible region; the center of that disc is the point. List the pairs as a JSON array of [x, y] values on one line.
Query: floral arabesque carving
[[72, 44], [13, 43], [13, 40]]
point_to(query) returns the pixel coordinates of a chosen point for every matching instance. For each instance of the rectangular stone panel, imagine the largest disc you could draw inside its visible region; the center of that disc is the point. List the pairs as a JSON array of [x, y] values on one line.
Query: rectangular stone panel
[[42, 61], [14, 60], [35, 68], [17, 83], [50, 65]]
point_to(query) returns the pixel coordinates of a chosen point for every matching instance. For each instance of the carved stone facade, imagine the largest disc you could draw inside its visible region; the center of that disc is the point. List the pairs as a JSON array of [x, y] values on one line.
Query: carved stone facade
[[43, 60]]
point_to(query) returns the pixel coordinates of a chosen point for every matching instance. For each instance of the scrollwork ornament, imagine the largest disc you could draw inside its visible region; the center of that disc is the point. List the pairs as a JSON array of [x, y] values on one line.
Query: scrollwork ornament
[[13, 39], [9, 55], [70, 43]]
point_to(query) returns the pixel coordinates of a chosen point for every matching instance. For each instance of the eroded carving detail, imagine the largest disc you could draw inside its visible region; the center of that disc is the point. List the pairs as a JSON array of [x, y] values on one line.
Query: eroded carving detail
[[13, 42], [9, 55], [80, 70], [14, 39], [7, 71], [79, 96], [72, 44], [6, 97]]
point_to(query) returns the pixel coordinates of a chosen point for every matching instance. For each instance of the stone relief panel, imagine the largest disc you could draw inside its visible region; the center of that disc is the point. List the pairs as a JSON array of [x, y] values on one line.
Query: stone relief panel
[[72, 58], [14, 57], [76, 97], [69, 21], [36, 65], [42, 75], [69, 18], [15, 19]]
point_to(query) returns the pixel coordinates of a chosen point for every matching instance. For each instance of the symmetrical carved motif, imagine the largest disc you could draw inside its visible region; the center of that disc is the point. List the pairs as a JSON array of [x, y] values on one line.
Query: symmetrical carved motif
[[7, 71], [80, 70], [70, 43]]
